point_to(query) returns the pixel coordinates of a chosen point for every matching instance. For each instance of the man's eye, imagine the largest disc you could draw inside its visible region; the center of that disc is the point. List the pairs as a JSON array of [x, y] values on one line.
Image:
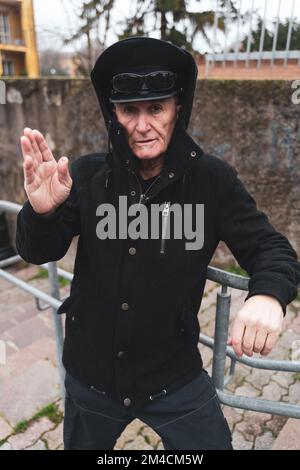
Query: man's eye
[[156, 108], [128, 109]]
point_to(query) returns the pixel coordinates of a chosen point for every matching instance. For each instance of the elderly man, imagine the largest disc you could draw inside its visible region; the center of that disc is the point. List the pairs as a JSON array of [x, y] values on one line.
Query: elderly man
[[131, 344]]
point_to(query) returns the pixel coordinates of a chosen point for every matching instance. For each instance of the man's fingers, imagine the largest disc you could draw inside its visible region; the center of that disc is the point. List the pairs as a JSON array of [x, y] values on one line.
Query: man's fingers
[[248, 340], [270, 342], [28, 132], [63, 172], [237, 336], [260, 340], [28, 170], [26, 146], [43, 146]]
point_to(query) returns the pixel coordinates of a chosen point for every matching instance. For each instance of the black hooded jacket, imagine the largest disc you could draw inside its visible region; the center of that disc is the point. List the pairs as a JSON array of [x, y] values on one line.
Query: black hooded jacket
[[131, 319]]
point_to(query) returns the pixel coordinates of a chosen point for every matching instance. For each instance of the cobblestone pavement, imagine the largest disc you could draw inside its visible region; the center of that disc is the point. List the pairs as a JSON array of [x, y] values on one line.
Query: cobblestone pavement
[[29, 379]]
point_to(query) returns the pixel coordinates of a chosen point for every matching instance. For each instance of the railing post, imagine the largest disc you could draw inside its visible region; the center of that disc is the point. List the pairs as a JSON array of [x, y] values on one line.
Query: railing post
[[221, 335], [57, 324]]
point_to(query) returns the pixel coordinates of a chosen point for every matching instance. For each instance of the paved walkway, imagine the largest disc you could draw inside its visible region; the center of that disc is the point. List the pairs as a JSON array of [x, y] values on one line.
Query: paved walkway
[[29, 380]]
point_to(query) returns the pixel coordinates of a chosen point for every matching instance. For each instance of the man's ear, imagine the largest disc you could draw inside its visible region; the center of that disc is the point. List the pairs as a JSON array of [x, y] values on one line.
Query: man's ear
[[178, 107]]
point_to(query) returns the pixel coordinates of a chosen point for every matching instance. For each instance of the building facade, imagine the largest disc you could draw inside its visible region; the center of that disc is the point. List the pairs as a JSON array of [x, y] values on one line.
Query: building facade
[[18, 50]]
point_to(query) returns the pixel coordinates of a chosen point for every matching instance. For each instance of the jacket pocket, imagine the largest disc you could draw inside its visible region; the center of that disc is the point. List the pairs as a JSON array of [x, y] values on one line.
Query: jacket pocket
[[67, 304]]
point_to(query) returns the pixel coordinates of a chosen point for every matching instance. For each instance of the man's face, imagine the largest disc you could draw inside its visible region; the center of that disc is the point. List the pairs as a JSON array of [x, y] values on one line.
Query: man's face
[[148, 125]]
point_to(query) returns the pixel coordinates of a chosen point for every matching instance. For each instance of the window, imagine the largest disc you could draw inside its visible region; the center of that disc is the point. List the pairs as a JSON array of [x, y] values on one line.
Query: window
[[4, 29], [8, 67]]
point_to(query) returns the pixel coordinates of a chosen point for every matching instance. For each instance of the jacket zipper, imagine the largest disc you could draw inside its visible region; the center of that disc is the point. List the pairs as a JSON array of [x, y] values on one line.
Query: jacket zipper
[[165, 216], [165, 212]]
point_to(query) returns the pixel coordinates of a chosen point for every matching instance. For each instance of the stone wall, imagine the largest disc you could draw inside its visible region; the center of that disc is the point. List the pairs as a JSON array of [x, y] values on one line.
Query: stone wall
[[251, 124]]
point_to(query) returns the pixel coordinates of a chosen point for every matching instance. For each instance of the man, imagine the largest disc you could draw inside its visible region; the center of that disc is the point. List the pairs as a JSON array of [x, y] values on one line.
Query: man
[[131, 345]]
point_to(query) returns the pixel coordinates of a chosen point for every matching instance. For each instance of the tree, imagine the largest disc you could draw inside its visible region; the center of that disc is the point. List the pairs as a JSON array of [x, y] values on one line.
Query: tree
[[172, 15], [90, 14], [269, 36]]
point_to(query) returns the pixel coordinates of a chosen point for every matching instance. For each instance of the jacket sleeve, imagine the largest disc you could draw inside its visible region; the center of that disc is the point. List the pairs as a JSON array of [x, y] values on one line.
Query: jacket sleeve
[[259, 248], [43, 238]]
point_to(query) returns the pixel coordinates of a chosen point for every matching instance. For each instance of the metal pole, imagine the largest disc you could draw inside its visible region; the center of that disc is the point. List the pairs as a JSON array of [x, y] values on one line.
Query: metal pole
[[57, 324], [289, 36], [238, 34], [221, 335], [249, 35], [262, 35], [276, 33], [226, 32], [216, 17]]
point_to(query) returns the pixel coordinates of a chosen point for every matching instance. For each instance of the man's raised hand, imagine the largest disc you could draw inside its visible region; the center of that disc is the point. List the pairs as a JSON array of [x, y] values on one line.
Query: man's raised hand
[[47, 182]]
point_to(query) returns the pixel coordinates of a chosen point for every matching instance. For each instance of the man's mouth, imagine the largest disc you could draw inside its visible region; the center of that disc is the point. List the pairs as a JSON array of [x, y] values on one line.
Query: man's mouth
[[144, 142]]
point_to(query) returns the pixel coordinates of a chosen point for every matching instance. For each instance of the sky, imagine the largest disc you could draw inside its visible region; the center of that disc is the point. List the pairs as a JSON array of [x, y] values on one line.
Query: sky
[[57, 18]]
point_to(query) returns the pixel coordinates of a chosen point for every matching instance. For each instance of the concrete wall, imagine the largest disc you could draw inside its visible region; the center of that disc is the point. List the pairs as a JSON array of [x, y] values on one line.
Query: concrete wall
[[251, 124]]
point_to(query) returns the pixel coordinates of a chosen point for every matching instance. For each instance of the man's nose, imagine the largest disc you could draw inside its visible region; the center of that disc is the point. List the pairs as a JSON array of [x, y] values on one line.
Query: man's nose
[[143, 124]]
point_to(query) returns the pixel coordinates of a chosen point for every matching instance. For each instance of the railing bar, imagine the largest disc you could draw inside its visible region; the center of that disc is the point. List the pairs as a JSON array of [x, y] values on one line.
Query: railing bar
[[289, 36], [276, 33], [267, 364], [30, 289], [249, 35], [259, 404], [262, 35]]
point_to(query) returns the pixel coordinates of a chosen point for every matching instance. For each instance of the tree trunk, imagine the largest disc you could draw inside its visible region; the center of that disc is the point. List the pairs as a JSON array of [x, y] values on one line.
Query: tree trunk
[[163, 25]]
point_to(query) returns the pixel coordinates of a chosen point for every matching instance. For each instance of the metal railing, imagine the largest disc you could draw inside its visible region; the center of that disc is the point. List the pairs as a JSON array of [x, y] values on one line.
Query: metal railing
[[225, 56], [218, 344]]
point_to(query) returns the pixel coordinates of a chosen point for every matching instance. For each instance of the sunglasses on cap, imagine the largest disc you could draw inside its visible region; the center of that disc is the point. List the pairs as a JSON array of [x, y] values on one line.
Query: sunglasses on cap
[[161, 80]]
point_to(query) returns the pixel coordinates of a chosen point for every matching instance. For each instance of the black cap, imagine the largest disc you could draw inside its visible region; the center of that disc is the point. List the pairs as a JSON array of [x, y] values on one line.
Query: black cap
[[144, 51], [144, 94]]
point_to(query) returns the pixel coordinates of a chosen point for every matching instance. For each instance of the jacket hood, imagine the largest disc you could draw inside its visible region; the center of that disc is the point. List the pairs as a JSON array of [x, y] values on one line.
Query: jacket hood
[[142, 52]]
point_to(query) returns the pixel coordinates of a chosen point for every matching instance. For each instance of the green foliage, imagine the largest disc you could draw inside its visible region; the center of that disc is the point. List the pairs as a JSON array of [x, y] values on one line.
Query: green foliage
[[269, 36], [43, 273], [21, 426], [175, 20], [50, 411], [236, 270]]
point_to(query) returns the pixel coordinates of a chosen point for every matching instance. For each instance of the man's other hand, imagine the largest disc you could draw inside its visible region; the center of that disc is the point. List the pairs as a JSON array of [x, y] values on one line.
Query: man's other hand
[[257, 326]]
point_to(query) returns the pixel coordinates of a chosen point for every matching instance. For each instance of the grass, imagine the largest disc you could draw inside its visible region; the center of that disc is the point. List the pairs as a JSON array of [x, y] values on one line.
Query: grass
[[50, 411], [236, 270], [43, 274]]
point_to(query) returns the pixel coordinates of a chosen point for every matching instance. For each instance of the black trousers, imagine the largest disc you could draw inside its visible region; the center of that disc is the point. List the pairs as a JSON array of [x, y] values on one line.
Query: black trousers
[[189, 418]]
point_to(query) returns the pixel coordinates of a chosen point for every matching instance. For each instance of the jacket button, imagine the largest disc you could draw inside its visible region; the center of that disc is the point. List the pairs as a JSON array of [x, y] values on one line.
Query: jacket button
[[124, 306], [171, 174], [121, 353], [127, 401], [193, 153], [132, 193], [132, 251]]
